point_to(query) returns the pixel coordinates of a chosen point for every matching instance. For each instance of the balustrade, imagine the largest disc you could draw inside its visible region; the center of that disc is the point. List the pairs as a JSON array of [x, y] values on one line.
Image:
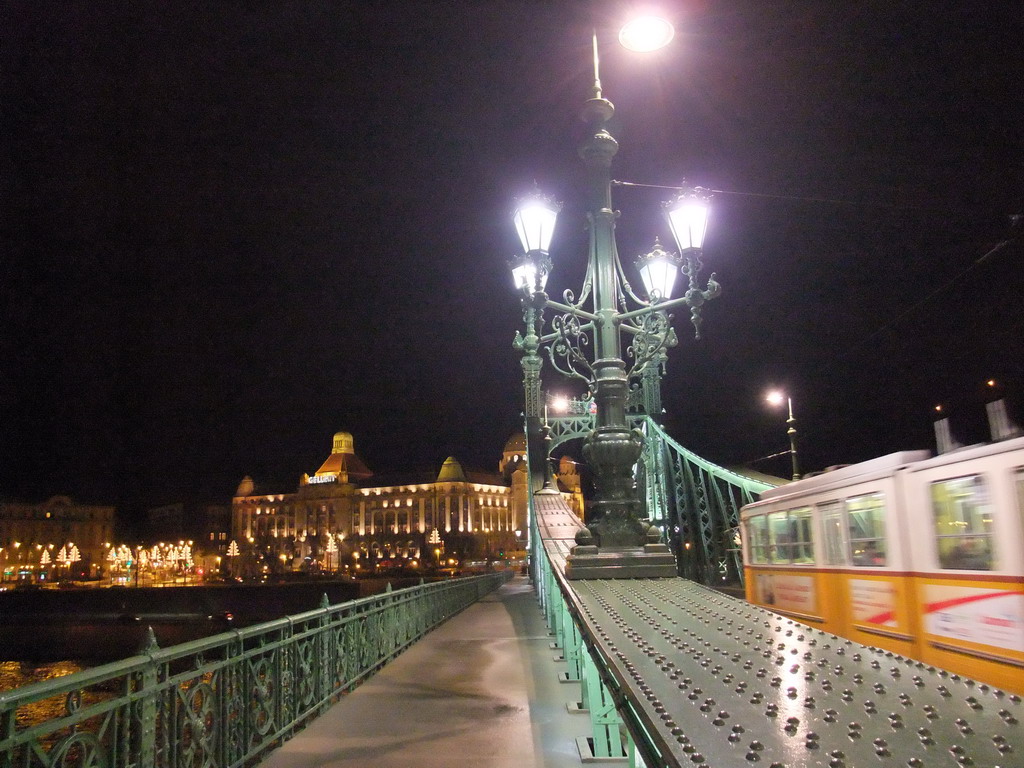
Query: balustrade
[[224, 700]]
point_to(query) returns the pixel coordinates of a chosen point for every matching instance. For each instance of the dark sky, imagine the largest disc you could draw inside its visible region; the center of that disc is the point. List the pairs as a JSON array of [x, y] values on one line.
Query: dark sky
[[231, 229]]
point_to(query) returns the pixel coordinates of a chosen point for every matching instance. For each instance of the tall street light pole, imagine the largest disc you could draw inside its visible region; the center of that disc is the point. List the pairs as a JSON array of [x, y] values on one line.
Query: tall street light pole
[[616, 544], [777, 398]]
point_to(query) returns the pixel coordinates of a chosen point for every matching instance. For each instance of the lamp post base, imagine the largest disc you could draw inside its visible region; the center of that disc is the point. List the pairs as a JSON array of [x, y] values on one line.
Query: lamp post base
[[649, 561]]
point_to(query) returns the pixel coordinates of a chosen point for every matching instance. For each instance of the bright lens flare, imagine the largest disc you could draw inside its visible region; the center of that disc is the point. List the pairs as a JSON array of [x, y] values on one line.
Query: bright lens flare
[[646, 33], [775, 397]]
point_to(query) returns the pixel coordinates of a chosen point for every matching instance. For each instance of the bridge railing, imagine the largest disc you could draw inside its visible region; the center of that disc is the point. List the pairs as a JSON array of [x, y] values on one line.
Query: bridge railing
[[695, 502], [224, 700], [611, 737], [697, 505]]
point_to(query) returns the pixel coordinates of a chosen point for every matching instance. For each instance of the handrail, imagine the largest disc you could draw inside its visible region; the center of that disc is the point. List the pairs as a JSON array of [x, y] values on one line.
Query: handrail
[[696, 503], [224, 700], [748, 484]]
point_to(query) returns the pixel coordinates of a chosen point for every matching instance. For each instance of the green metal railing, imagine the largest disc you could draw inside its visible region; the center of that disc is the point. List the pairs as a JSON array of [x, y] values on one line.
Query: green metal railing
[[609, 737], [690, 499], [697, 505], [225, 700]]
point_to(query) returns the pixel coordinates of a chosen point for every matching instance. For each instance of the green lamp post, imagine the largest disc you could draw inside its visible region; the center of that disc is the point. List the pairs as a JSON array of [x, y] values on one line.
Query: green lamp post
[[617, 543], [778, 398]]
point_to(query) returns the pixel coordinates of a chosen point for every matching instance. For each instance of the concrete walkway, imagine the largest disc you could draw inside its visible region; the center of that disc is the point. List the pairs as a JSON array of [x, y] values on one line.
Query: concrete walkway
[[480, 690]]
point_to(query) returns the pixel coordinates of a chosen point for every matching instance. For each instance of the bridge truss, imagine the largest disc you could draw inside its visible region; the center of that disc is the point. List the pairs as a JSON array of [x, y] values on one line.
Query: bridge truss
[[695, 502]]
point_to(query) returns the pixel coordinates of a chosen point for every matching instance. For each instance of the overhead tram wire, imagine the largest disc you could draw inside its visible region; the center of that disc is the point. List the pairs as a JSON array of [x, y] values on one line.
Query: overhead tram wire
[[941, 289], [1016, 228], [794, 198]]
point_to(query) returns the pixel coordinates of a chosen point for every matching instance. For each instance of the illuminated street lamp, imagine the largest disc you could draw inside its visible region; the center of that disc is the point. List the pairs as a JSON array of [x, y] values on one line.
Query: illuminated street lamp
[[583, 340], [778, 398], [559, 403], [646, 33]]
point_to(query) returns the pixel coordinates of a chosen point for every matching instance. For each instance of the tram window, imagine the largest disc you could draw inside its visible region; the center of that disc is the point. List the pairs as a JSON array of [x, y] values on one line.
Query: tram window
[[801, 522], [1019, 474], [963, 523], [757, 536], [832, 526], [790, 536], [866, 519]]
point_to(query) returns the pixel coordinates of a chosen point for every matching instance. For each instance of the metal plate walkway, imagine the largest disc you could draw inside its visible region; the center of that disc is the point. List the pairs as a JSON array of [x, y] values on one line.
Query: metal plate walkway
[[708, 681], [482, 690]]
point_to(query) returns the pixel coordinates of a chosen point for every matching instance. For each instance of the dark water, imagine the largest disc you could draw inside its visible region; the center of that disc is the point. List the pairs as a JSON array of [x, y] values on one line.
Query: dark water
[[15, 674]]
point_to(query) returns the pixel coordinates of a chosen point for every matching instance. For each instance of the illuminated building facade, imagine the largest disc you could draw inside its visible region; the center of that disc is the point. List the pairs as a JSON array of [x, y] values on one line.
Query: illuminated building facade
[[344, 517], [56, 538]]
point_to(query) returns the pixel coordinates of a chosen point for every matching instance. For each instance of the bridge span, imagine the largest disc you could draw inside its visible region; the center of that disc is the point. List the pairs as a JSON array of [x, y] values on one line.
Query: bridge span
[[677, 674], [659, 673]]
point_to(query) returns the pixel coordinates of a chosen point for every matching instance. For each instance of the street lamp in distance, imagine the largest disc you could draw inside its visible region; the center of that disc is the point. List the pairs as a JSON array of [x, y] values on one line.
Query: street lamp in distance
[[777, 398]]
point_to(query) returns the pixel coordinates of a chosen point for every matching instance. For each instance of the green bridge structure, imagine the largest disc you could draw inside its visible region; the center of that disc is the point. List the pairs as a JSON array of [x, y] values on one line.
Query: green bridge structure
[[495, 670]]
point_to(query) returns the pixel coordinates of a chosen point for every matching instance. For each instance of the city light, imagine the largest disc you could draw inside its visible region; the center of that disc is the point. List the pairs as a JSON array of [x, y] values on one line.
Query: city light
[[778, 398], [646, 33]]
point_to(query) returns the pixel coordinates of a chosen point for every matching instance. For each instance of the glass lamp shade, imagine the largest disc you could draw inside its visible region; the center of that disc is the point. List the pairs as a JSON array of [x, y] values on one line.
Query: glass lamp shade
[[646, 33], [688, 218], [530, 273], [658, 270], [535, 223]]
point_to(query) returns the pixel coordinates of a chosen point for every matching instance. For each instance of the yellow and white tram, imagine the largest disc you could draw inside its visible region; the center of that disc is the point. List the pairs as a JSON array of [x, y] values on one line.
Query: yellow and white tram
[[919, 555]]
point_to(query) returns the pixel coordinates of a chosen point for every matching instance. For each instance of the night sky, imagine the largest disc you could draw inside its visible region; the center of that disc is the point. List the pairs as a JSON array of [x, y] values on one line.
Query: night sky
[[229, 230]]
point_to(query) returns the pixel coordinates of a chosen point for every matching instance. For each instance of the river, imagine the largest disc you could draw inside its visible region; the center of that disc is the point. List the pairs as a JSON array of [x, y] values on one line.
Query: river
[[15, 674]]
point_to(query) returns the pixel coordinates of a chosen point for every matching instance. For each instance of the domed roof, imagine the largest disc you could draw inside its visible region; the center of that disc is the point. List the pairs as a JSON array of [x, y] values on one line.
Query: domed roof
[[343, 443], [516, 443], [451, 472], [246, 487]]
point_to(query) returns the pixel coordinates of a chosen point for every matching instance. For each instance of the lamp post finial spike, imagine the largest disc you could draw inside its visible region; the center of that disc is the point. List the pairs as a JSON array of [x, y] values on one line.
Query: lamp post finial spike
[[597, 69]]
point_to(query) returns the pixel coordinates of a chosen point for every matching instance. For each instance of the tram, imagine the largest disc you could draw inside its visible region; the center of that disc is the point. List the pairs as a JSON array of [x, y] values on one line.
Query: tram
[[919, 555]]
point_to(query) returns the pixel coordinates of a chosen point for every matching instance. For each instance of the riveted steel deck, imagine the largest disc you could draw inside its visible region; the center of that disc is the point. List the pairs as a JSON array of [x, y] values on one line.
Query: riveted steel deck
[[709, 681]]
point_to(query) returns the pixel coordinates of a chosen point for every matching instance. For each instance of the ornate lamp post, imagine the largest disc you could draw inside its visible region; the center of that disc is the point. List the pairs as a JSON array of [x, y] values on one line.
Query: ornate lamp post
[[616, 544], [778, 398]]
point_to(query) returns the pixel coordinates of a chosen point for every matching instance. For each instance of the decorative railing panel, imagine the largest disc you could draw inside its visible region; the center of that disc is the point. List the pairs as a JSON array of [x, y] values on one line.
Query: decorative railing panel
[[225, 700], [695, 502], [697, 505]]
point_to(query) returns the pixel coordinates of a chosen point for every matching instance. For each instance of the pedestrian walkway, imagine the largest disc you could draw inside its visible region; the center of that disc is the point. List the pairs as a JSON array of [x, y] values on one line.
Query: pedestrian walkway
[[480, 690]]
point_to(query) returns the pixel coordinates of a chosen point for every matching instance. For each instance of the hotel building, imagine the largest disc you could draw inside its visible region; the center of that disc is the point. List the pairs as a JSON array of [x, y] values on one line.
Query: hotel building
[[343, 516]]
